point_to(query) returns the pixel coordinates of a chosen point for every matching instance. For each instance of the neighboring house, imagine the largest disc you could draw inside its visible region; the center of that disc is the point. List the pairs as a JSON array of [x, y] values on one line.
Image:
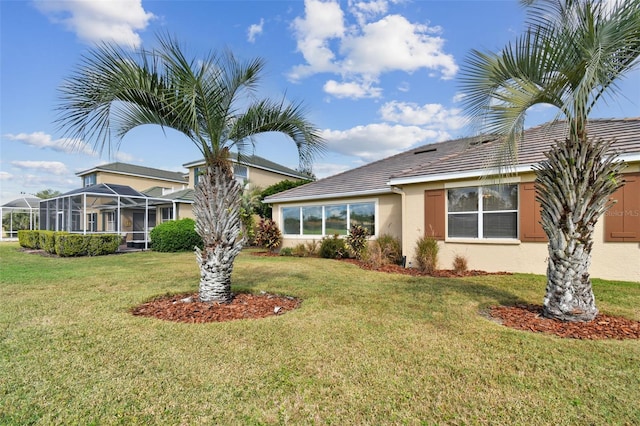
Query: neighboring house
[[450, 191], [131, 200]]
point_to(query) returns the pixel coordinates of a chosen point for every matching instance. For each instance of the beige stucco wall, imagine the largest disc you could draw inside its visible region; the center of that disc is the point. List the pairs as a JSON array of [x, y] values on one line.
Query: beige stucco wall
[[615, 261], [136, 182], [388, 218], [264, 178]]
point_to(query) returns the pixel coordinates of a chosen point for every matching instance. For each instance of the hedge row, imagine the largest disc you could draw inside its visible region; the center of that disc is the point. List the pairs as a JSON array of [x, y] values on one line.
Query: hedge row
[[175, 236], [67, 245]]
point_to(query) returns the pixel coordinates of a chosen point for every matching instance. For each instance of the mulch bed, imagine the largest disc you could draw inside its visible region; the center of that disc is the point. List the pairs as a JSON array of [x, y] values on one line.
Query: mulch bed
[[529, 318], [187, 308]]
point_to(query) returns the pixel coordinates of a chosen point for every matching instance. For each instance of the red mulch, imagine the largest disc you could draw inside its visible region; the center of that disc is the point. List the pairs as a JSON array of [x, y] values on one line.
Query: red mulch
[[439, 273], [187, 308], [529, 318]]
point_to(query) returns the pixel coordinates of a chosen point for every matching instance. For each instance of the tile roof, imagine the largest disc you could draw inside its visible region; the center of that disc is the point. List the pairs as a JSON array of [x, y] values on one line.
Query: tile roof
[[132, 169], [435, 161], [185, 195], [259, 163]]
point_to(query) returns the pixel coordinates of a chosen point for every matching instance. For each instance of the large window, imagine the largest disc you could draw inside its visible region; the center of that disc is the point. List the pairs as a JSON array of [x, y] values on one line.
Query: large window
[[330, 219], [483, 212]]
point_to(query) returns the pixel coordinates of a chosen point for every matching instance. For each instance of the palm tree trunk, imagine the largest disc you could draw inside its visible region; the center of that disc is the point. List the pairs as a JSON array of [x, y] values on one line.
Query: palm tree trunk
[[574, 185], [217, 211]]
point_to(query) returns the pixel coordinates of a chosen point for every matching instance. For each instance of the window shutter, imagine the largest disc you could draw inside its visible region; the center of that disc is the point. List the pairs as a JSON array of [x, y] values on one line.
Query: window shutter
[[434, 213], [530, 227], [622, 220]]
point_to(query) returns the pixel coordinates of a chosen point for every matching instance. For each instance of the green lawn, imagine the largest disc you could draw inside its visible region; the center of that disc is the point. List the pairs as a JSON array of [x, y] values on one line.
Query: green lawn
[[364, 348]]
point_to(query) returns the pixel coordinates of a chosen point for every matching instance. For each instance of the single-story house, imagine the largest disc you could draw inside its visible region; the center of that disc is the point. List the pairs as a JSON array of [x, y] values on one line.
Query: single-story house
[[452, 191], [130, 199]]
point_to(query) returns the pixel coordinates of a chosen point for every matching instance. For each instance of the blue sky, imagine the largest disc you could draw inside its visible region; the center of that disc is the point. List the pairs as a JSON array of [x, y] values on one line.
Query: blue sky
[[377, 77]]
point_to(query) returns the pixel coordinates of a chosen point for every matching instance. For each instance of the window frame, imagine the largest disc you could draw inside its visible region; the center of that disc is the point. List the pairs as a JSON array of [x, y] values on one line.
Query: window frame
[[89, 180], [481, 212], [301, 207]]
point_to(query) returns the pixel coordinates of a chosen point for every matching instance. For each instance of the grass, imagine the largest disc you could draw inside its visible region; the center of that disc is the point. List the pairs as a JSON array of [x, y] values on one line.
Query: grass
[[364, 348]]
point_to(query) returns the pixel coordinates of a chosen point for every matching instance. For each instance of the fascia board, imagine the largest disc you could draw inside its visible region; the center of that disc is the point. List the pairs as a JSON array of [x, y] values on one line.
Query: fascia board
[[329, 196]]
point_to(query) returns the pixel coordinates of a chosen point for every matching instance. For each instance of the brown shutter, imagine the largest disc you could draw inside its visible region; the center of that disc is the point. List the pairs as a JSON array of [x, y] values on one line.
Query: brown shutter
[[622, 220], [434, 213], [530, 227]]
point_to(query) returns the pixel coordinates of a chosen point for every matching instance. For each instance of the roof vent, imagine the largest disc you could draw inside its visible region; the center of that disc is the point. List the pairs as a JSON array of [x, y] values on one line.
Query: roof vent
[[424, 151], [482, 142]]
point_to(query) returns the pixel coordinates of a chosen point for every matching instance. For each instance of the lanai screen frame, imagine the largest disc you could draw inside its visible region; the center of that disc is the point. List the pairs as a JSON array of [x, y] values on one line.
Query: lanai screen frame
[[118, 198], [15, 206]]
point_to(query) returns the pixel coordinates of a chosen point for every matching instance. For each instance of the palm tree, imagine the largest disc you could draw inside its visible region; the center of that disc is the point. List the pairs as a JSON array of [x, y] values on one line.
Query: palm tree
[[212, 102], [572, 56]]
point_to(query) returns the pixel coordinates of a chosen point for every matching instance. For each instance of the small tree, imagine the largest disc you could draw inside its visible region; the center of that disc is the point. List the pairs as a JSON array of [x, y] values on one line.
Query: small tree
[[357, 240], [268, 235]]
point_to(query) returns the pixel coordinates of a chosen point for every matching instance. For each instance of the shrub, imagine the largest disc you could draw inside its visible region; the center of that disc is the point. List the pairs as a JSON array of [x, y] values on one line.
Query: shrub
[[101, 244], [70, 245], [47, 241], [29, 239], [357, 240], [333, 248], [268, 235], [308, 249], [373, 255], [248, 227], [427, 254], [287, 251], [460, 264], [175, 236], [390, 248]]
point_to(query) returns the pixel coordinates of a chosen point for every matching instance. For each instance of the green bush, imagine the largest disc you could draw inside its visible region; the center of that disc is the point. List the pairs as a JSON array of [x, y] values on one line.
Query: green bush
[[390, 248], [333, 248], [357, 240], [48, 241], [287, 251], [29, 239], [101, 244], [70, 245], [175, 236], [268, 235], [427, 254]]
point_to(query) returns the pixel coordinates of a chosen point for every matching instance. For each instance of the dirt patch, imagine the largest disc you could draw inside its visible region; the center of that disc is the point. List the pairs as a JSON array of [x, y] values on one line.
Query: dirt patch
[[187, 308], [529, 318]]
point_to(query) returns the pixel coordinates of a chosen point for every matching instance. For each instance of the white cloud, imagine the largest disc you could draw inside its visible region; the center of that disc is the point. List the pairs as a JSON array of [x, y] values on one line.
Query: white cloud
[[362, 51], [94, 21], [394, 43], [352, 90], [50, 167], [375, 141], [458, 97], [254, 30], [124, 157], [42, 140], [322, 170], [323, 21], [409, 113], [5, 175], [367, 10]]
